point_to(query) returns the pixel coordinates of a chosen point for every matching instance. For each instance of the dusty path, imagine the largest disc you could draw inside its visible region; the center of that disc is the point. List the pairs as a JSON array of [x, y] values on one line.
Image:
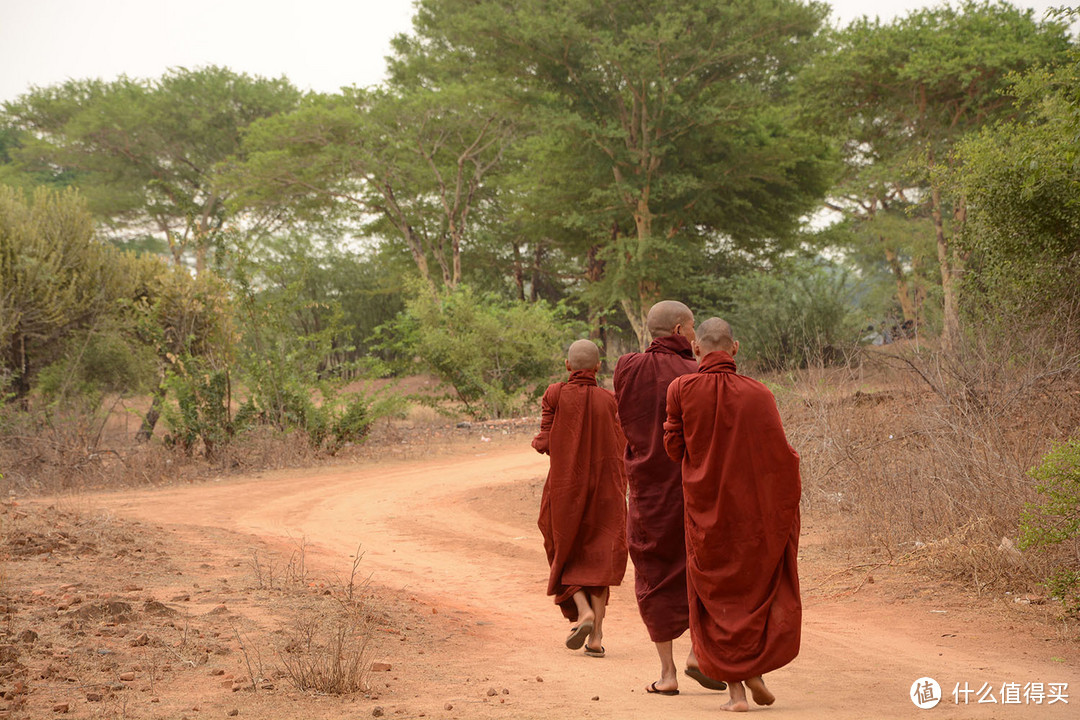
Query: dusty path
[[458, 534]]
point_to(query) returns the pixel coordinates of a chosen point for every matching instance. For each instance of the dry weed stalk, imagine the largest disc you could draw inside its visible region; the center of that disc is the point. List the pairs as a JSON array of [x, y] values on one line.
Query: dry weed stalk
[[328, 653]]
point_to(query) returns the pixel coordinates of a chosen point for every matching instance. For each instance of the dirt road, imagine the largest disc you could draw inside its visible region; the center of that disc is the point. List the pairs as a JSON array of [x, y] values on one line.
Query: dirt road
[[458, 535]]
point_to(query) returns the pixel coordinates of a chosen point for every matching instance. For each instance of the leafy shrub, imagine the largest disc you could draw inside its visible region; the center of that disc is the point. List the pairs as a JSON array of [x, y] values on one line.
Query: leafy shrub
[[1054, 522], [494, 353], [794, 316], [203, 411]]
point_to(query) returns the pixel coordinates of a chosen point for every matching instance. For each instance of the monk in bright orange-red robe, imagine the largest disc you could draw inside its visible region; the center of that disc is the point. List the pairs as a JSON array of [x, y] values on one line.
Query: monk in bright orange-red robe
[[583, 506], [741, 490]]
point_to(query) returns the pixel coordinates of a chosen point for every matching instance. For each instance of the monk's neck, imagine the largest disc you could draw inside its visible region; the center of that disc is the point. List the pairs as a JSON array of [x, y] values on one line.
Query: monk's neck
[[717, 361], [675, 344], [582, 377]]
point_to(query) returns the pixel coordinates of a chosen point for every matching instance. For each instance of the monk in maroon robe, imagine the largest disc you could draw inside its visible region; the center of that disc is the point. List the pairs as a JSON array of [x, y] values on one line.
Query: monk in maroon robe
[[655, 531], [583, 506], [741, 489]]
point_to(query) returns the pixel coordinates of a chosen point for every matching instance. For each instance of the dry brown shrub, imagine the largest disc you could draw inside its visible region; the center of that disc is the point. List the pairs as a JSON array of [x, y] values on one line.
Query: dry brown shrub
[[914, 451]]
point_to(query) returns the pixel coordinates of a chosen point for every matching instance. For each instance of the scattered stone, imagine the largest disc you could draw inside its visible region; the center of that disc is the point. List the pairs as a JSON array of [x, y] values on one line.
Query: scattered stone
[[377, 711], [127, 676], [8, 654], [464, 425], [448, 706], [380, 667], [60, 708], [233, 713], [595, 697], [93, 696], [492, 692], [539, 679], [219, 610], [131, 588], [183, 597], [28, 636], [218, 671], [506, 691], [266, 685], [141, 640]]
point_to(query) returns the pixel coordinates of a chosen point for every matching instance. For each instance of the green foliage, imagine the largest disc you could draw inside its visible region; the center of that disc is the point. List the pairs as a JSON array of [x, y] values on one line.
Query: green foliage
[[1021, 180], [55, 279], [794, 315], [494, 354], [1054, 522], [99, 362], [651, 124], [203, 411], [144, 151], [899, 96]]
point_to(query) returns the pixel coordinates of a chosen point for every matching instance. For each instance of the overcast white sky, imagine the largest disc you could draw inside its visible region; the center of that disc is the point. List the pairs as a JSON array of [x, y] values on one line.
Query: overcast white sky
[[318, 44]]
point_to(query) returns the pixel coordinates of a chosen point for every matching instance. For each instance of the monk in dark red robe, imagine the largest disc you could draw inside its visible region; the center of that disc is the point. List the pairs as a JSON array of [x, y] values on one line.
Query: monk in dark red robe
[[583, 506], [741, 489], [655, 531]]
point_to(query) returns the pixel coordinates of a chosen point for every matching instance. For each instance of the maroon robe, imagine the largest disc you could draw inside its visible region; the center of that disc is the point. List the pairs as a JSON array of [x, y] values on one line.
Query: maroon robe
[[583, 507], [655, 532], [741, 487]]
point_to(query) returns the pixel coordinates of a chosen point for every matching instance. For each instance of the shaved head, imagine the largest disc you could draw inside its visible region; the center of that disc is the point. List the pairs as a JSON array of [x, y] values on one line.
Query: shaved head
[[715, 334], [583, 355], [665, 315]]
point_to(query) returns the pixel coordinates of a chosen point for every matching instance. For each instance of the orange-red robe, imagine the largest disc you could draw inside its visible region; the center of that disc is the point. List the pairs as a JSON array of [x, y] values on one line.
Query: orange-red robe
[[741, 488], [654, 528], [583, 506]]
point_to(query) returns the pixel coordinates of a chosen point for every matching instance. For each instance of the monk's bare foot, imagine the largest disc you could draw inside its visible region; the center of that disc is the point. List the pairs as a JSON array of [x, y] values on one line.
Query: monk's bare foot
[[738, 702], [760, 693], [736, 706]]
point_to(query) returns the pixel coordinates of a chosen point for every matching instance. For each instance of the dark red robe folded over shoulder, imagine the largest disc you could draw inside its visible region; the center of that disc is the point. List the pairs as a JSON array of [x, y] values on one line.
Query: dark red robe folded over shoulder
[[741, 488], [583, 506], [655, 532]]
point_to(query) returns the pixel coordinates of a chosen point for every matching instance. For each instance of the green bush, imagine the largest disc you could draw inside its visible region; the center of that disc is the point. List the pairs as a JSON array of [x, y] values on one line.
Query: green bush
[[203, 412], [795, 316], [495, 354], [1054, 522]]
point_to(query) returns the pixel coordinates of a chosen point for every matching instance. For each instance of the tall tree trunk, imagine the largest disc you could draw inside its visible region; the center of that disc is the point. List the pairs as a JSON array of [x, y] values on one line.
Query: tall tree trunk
[[519, 272], [149, 422], [950, 332], [537, 269], [903, 292], [594, 273]]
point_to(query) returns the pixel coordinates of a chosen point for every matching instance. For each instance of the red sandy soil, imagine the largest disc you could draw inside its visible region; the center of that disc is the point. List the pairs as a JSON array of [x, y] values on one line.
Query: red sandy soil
[[157, 603]]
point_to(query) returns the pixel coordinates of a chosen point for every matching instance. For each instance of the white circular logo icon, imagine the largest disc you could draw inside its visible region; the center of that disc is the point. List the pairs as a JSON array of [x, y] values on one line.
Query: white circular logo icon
[[925, 693]]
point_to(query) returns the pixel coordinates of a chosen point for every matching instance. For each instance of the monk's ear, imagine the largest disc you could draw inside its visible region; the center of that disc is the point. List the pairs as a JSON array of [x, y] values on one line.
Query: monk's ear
[[695, 348], [568, 368], [734, 348]]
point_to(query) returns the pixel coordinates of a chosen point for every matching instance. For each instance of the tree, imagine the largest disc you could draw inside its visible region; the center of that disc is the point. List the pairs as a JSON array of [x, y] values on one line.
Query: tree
[[144, 151], [906, 91], [412, 165], [679, 107], [55, 278], [1021, 182]]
